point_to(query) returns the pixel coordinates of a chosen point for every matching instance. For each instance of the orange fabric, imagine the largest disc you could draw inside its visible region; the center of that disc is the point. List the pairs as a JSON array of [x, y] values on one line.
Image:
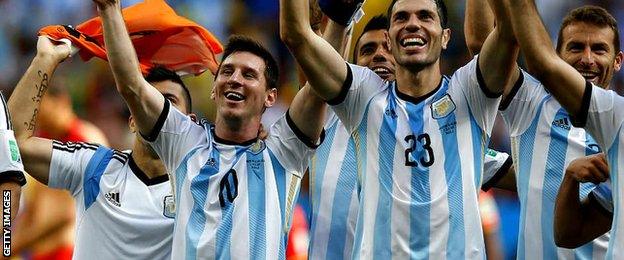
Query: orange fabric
[[298, 238], [61, 253], [159, 35]]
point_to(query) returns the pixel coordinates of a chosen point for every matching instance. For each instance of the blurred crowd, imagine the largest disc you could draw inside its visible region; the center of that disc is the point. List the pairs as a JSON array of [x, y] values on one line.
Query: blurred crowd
[[91, 86]]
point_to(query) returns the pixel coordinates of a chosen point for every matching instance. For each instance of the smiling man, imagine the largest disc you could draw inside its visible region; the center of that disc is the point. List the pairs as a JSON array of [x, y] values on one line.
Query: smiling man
[[417, 201]]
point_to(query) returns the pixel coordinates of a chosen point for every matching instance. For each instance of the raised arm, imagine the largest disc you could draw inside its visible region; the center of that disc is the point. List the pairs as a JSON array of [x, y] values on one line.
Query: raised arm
[[561, 79], [24, 107], [323, 66], [144, 101], [497, 59], [478, 23], [579, 222]]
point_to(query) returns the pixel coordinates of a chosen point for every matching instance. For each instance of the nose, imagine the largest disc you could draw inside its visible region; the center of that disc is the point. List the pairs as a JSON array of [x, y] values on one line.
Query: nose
[[379, 55], [413, 24], [588, 57], [235, 79]]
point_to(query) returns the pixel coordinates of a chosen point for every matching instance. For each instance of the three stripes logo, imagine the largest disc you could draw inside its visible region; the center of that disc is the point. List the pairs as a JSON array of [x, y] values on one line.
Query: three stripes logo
[[113, 197], [563, 123]]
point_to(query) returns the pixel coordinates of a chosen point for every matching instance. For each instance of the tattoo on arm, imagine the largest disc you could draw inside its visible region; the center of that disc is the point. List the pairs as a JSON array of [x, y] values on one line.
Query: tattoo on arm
[[41, 89]]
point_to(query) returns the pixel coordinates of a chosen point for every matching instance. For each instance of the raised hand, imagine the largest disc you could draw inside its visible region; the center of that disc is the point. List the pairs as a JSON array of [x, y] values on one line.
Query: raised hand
[[58, 50], [592, 168]]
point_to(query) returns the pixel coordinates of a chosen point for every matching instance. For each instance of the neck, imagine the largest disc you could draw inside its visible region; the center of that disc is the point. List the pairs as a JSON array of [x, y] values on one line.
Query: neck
[[147, 160], [418, 82], [237, 131]]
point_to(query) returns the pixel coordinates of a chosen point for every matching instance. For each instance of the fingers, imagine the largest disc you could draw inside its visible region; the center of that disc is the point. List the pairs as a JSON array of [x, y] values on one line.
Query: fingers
[[589, 169]]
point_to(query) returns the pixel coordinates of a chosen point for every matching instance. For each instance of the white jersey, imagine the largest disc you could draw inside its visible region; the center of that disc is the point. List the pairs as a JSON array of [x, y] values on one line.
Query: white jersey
[[543, 143], [234, 201], [604, 196], [10, 159], [420, 163], [120, 212], [604, 120], [333, 193]]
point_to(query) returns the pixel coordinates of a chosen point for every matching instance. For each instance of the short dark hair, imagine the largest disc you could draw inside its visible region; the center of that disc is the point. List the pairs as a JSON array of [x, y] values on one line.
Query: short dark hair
[[594, 15], [239, 43], [379, 22], [160, 74], [442, 12]]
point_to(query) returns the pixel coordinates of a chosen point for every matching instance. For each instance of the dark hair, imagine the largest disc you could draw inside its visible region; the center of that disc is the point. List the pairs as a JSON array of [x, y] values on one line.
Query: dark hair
[[594, 15], [379, 22], [160, 74], [239, 43], [316, 15], [442, 12]]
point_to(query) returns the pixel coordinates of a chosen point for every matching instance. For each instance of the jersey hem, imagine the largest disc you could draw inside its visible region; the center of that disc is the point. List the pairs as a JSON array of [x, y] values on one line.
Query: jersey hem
[[580, 120], [344, 90], [507, 100]]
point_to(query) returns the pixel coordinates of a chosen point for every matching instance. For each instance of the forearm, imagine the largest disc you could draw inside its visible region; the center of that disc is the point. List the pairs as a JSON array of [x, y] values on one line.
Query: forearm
[[15, 192], [478, 23], [497, 59], [568, 213], [336, 35], [323, 67], [144, 101], [558, 77]]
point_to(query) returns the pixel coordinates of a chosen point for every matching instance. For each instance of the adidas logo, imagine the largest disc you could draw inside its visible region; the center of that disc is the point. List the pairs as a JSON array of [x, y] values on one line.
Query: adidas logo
[[563, 123], [113, 197]]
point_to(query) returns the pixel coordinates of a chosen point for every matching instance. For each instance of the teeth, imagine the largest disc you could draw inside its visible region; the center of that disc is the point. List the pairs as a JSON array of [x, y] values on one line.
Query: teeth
[[381, 70], [587, 75], [234, 96], [413, 41]]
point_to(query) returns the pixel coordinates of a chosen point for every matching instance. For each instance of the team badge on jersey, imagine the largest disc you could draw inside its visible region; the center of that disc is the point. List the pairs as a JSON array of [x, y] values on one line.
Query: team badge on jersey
[[442, 107], [257, 147], [169, 207]]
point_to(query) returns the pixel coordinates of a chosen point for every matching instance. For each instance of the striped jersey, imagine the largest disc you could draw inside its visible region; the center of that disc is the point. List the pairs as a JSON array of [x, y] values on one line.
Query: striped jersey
[[604, 196], [120, 212], [233, 201], [543, 143], [10, 159], [334, 196], [420, 164], [604, 116]]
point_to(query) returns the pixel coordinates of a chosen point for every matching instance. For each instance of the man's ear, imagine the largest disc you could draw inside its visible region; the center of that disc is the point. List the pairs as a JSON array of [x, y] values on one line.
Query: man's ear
[[271, 97], [131, 124], [446, 37]]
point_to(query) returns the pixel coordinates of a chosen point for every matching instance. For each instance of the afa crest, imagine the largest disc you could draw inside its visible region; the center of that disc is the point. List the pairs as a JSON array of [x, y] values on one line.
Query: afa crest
[[442, 107], [169, 209]]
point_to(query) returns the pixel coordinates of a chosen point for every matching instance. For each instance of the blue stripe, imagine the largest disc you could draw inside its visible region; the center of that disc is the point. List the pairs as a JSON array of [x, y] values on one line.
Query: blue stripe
[[317, 167], [525, 158], [180, 175], [555, 162], [199, 191], [93, 173], [420, 189], [478, 148], [613, 156], [591, 147], [280, 179], [361, 149], [342, 204], [387, 143], [257, 200], [224, 231]]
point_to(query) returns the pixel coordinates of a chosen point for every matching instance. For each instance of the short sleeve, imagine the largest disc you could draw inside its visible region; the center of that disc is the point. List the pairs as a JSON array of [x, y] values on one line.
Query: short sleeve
[[601, 114], [11, 165], [68, 164], [495, 166], [482, 103], [174, 135], [359, 88], [291, 147], [521, 105], [603, 196]]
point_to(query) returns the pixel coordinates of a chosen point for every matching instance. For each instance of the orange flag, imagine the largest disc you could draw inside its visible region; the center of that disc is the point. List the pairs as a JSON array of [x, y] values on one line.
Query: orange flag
[[159, 35]]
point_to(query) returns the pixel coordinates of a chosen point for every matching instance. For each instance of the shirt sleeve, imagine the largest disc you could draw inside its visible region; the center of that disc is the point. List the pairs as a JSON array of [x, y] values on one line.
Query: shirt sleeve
[[68, 164], [601, 115], [482, 103], [359, 88], [521, 105], [290, 146], [175, 135], [11, 165], [603, 196], [495, 166]]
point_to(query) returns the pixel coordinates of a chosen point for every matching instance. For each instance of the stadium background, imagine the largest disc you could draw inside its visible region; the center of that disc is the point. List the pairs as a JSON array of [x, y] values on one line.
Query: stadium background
[[92, 88]]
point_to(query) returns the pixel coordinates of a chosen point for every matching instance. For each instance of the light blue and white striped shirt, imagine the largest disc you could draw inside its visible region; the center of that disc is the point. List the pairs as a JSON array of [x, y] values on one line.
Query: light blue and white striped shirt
[[233, 201], [544, 142], [420, 164]]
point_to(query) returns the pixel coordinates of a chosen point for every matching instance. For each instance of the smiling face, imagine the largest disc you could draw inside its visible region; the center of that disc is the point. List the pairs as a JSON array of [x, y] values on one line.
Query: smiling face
[[416, 34], [240, 90], [373, 51], [590, 50]]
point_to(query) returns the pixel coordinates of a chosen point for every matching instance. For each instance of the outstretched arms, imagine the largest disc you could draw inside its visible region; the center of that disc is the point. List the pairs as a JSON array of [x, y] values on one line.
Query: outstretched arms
[[579, 222], [24, 107], [478, 23], [144, 101]]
